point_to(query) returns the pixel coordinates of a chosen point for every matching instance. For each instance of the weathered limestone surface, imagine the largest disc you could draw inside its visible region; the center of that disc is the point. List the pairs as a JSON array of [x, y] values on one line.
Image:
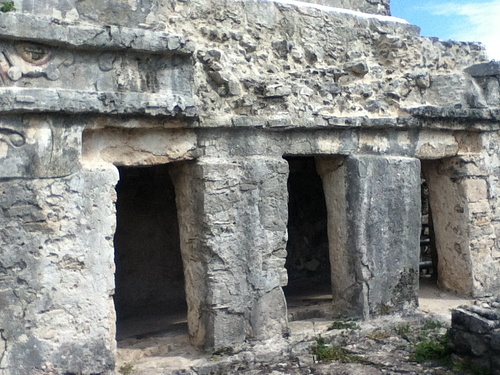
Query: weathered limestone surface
[[460, 192], [475, 334], [367, 6], [111, 70], [38, 147], [56, 274], [292, 64], [373, 245], [233, 235]]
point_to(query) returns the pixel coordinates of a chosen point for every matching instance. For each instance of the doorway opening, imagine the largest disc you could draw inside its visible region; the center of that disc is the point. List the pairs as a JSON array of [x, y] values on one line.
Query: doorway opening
[[149, 280], [428, 251], [444, 271], [308, 293]]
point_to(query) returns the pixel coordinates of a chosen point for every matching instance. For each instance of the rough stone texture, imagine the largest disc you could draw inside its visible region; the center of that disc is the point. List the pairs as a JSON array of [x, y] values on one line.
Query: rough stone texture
[[373, 245], [223, 90], [460, 192], [56, 274], [475, 333], [234, 254], [110, 69], [367, 6], [38, 147]]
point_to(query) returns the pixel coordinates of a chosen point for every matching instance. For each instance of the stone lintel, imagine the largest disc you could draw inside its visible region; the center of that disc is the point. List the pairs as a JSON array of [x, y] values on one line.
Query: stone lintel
[[422, 118]]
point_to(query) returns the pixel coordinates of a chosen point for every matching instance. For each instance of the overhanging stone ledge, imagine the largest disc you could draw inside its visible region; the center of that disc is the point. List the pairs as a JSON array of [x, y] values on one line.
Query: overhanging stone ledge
[[418, 118], [27, 100], [52, 31], [466, 114]]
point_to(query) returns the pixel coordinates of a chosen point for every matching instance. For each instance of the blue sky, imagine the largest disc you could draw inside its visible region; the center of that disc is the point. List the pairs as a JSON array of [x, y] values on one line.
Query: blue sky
[[466, 20]]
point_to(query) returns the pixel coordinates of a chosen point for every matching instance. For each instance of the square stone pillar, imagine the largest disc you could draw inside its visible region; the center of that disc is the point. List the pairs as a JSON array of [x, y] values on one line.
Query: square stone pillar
[[232, 222], [57, 274], [461, 196], [373, 205]]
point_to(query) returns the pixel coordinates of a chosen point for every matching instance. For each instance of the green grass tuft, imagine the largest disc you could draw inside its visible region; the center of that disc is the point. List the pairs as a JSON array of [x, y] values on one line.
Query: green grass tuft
[[7, 6], [404, 331], [432, 349], [432, 324], [327, 352], [343, 324]]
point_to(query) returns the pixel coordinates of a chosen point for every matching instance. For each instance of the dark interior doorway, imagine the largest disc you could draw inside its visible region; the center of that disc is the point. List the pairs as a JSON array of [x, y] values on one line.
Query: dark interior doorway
[[149, 293], [308, 260], [428, 251]]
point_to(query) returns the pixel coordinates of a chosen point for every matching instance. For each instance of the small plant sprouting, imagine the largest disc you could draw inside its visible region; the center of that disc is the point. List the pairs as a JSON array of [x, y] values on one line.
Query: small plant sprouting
[[126, 369], [436, 349], [432, 324], [404, 331], [343, 324], [327, 352], [379, 335], [7, 6]]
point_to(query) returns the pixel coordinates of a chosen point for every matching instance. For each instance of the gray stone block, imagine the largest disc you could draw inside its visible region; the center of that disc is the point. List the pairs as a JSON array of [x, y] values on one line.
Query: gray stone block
[[491, 68], [66, 326], [233, 239], [495, 341], [470, 321], [110, 37], [40, 147], [374, 203]]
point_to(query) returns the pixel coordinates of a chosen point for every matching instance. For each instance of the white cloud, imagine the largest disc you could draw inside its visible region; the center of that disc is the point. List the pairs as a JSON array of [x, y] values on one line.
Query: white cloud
[[478, 22]]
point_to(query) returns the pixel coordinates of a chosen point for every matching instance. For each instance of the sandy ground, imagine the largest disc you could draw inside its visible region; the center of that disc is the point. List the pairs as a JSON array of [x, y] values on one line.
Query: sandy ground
[[435, 301]]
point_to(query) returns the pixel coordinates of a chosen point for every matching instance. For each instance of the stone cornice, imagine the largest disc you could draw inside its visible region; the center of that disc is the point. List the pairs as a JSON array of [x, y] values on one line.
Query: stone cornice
[[18, 26], [26, 100]]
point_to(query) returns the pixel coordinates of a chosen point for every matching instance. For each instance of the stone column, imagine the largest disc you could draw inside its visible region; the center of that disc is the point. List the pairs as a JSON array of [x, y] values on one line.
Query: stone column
[[232, 221], [459, 195], [57, 274], [57, 222], [373, 207]]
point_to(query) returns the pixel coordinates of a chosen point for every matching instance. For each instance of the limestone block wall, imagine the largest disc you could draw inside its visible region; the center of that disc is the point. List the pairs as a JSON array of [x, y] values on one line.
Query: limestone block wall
[[56, 273], [475, 334], [286, 64], [143, 11], [464, 225], [222, 92]]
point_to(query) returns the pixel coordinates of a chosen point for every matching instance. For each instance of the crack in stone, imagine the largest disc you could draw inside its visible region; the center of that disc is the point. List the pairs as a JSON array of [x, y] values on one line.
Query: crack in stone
[[3, 350]]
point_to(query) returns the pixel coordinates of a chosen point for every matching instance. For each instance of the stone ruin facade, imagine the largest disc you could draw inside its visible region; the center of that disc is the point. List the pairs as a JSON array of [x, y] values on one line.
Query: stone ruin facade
[[157, 155]]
